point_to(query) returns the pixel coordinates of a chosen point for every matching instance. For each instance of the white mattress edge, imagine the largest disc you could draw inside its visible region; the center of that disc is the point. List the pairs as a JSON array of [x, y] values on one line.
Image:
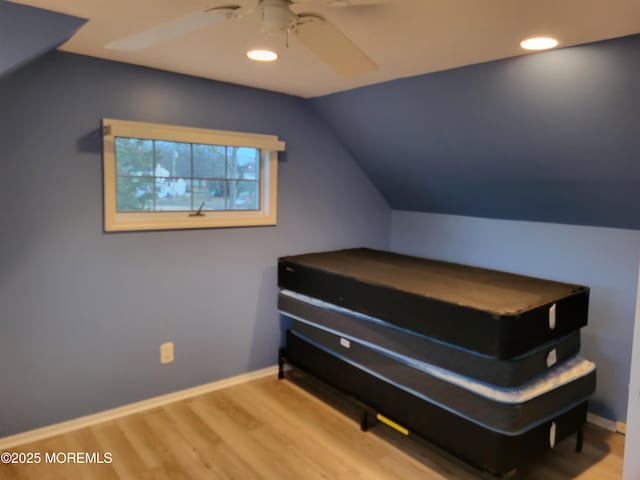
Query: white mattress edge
[[424, 397], [557, 376]]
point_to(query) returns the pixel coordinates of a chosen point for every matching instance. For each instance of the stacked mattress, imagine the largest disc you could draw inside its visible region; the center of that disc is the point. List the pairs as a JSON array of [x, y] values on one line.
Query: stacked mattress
[[484, 363]]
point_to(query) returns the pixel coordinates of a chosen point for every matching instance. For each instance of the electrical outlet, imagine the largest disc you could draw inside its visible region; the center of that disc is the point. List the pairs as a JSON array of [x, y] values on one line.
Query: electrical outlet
[[166, 353], [621, 427]]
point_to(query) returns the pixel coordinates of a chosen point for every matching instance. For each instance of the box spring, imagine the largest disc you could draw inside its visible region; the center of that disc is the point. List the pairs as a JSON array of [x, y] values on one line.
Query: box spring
[[508, 411], [359, 327], [499, 314], [486, 448]]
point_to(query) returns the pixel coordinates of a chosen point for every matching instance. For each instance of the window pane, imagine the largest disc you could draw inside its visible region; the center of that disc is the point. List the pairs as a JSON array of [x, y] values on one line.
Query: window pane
[[209, 191], [243, 163], [134, 194], [173, 159], [134, 156], [208, 161], [173, 194], [242, 195]]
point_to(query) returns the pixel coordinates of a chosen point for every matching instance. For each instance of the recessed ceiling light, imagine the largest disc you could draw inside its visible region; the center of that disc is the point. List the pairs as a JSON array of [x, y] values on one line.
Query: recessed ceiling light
[[538, 43], [262, 55]]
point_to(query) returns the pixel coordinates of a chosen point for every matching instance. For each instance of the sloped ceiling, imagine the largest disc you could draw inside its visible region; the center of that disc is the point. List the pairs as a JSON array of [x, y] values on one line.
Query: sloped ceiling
[[551, 137], [27, 32]]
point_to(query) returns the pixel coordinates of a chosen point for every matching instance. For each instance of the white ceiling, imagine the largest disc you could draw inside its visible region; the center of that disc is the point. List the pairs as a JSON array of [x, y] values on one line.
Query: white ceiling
[[404, 37]]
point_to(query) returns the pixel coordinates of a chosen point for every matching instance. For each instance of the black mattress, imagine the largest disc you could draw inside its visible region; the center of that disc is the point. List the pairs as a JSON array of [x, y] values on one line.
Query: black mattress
[[485, 406], [494, 313], [503, 373], [486, 448]]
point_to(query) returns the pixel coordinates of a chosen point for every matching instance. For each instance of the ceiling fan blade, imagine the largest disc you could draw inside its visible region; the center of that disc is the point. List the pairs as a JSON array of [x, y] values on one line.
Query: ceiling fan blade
[[170, 30], [343, 3], [332, 46]]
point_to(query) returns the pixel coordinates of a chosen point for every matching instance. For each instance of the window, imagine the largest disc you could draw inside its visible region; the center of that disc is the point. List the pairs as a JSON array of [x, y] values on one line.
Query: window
[[160, 177]]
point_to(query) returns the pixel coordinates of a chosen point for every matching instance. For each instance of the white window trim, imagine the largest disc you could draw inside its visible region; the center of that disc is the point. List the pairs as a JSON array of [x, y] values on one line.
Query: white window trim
[[115, 221]]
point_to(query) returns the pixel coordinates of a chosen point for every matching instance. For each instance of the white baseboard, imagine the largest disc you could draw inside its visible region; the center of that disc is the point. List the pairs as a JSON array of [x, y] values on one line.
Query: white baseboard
[[118, 412], [607, 424]]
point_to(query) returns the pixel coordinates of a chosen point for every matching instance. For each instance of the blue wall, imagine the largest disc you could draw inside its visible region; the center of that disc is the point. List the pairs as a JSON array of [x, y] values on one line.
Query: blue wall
[[27, 32], [82, 312], [550, 137], [604, 259]]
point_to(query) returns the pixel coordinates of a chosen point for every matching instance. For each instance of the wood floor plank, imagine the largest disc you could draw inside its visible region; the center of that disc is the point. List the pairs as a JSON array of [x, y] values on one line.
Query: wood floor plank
[[294, 436], [345, 446], [238, 438], [279, 430], [160, 459], [16, 472], [84, 440], [192, 461], [126, 461], [207, 443]]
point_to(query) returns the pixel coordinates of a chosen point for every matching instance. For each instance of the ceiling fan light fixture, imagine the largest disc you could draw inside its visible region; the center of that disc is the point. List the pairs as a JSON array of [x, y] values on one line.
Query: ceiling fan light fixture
[[539, 43], [262, 55], [276, 16]]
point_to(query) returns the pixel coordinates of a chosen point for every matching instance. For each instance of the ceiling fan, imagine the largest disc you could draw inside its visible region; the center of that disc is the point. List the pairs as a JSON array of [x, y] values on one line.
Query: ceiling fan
[[320, 36]]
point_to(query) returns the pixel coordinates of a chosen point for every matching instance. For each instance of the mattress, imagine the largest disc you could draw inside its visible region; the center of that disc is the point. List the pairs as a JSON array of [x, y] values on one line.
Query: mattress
[[499, 314], [387, 336], [509, 411], [486, 448]]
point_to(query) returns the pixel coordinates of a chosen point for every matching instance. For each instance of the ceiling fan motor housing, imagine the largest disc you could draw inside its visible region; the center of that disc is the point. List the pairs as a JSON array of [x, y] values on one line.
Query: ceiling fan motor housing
[[276, 16]]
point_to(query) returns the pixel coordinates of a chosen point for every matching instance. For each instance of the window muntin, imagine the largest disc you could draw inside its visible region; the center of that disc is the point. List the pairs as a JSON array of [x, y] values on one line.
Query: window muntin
[[157, 175], [160, 176]]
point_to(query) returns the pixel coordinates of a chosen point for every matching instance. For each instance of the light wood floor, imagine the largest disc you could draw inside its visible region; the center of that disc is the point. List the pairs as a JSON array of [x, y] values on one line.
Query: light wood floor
[[270, 429]]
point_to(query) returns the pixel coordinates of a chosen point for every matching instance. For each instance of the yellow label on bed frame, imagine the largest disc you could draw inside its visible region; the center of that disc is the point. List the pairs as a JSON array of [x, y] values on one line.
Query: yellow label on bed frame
[[392, 424]]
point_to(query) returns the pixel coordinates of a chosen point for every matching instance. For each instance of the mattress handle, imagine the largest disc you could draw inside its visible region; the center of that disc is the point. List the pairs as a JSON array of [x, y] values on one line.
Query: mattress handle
[[552, 358]]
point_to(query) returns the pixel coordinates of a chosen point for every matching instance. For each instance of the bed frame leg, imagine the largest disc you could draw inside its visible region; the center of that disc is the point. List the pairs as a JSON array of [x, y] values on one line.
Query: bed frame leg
[[364, 420], [580, 439], [281, 361]]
